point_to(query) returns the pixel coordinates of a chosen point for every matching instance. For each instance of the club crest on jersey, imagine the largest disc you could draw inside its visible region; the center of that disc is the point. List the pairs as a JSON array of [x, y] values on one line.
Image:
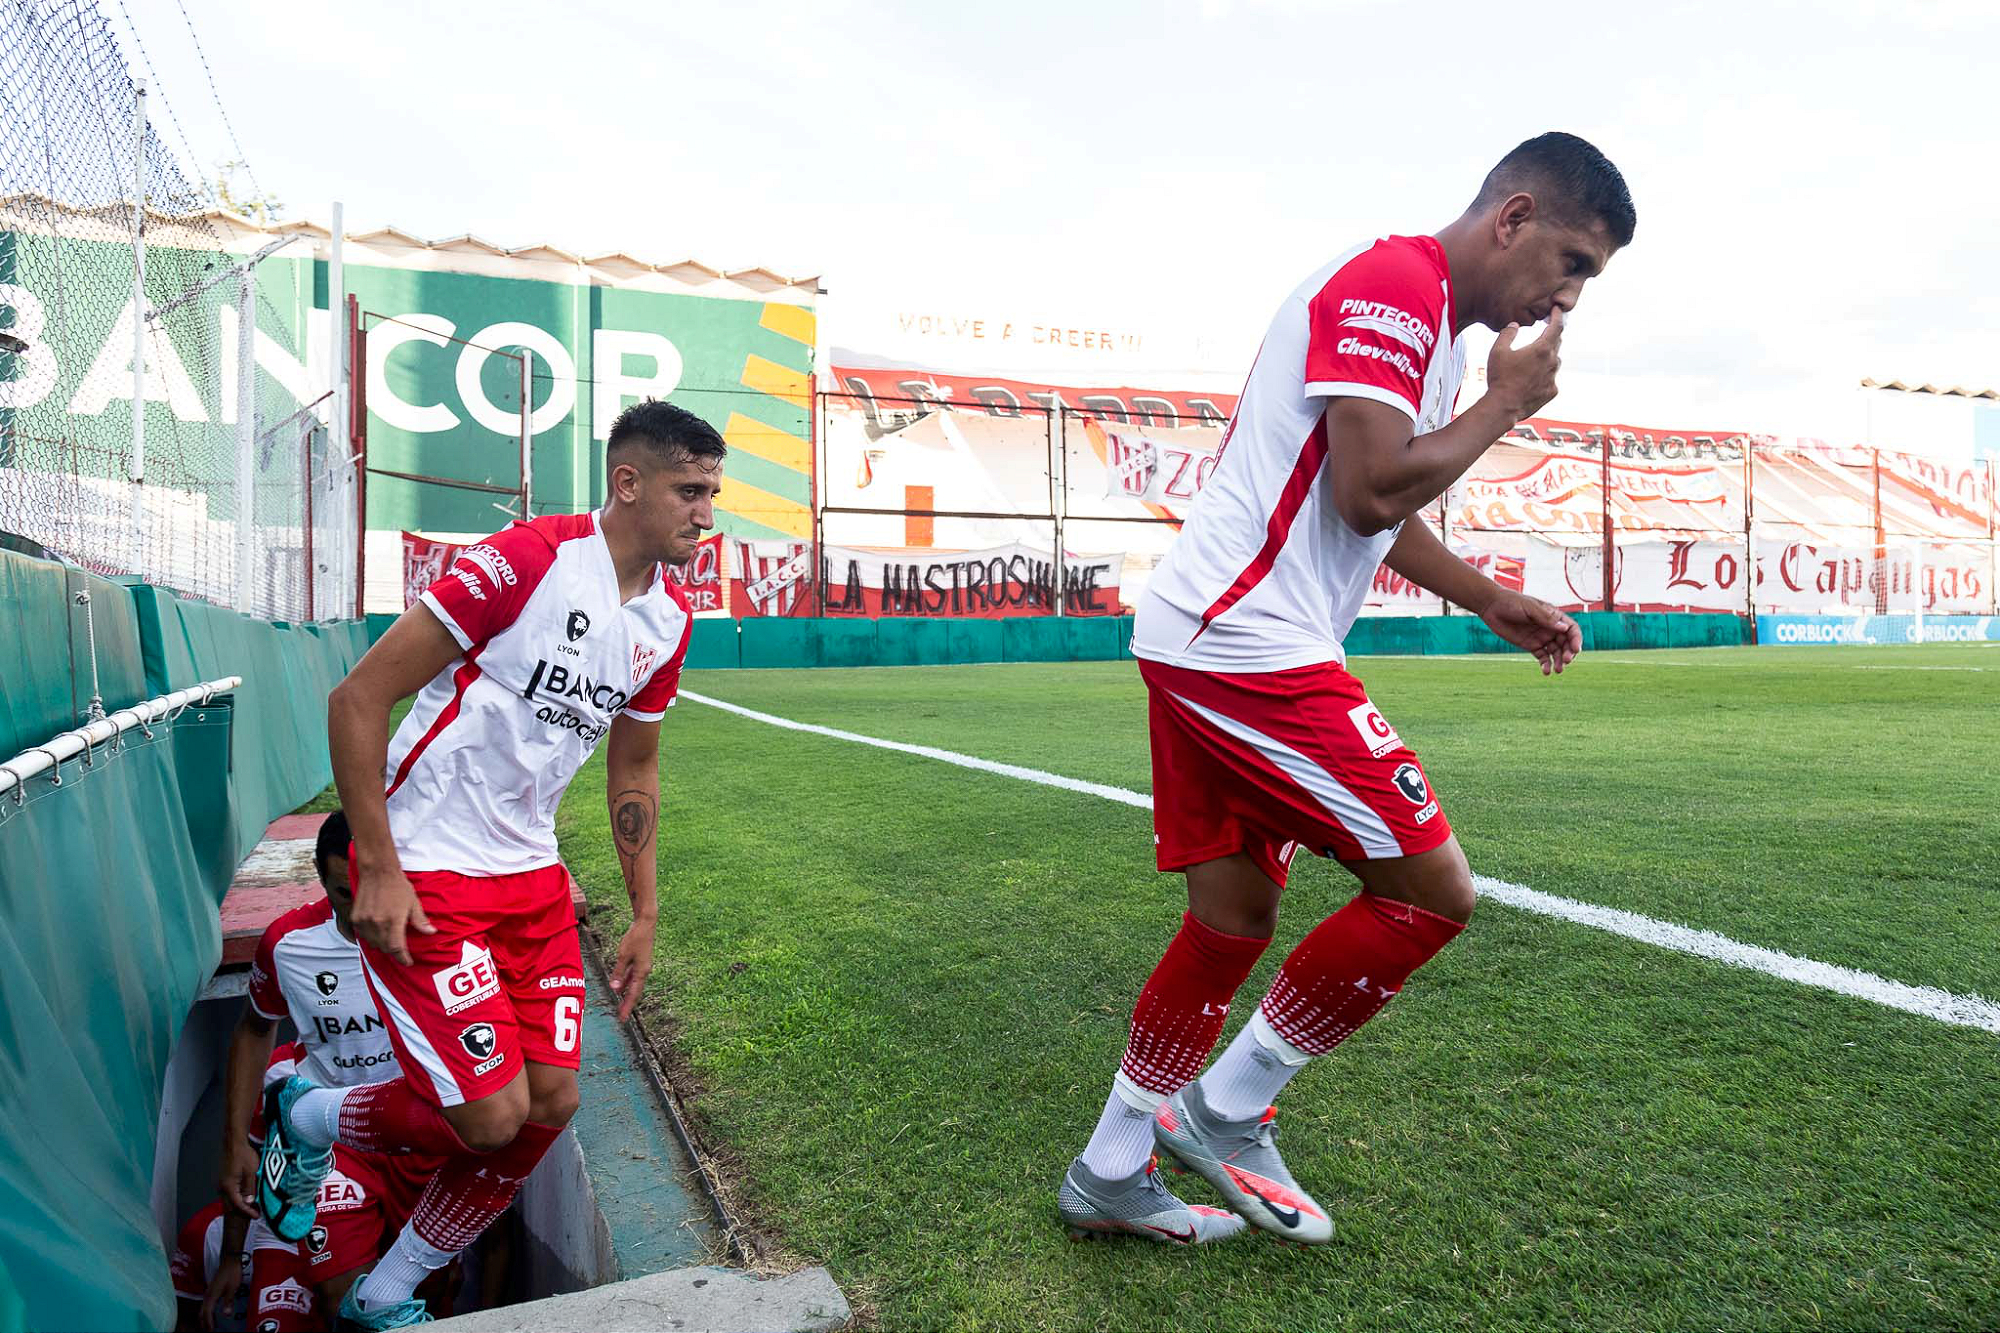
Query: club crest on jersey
[[578, 626], [328, 982], [643, 657], [1376, 733], [1409, 780], [472, 979]]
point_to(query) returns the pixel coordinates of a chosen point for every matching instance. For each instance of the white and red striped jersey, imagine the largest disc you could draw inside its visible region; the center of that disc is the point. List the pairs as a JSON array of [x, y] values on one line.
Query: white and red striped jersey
[[306, 970], [550, 657], [1266, 575]]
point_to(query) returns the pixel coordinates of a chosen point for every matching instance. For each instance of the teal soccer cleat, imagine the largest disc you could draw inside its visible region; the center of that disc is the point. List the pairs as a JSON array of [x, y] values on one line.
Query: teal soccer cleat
[[292, 1169], [353, 1319]]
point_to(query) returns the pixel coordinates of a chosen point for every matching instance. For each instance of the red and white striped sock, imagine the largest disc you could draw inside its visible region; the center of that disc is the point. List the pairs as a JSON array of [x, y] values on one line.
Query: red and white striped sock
[[1339, 977], [1174, 1026], [460, 1201], [388, 1117]]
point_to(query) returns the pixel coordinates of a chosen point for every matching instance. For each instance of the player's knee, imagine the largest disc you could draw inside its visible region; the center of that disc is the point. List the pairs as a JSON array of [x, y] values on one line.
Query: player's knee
[[555, 1106], [491, 1123], [1445, 887], [1454, 898]]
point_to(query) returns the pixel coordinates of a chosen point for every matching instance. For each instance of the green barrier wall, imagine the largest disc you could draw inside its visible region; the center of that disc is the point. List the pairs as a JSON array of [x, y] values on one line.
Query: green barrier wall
[[109, 884], [842, 641]]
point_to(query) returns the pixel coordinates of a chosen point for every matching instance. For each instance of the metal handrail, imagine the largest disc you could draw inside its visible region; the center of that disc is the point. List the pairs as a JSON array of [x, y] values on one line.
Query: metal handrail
[[14, 774]]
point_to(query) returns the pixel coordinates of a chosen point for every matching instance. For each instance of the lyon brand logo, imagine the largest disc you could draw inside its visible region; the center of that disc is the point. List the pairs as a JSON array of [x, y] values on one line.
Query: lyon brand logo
[[478, 1040], [579, 625], [328, 982], [472, 980], [1409, 780]]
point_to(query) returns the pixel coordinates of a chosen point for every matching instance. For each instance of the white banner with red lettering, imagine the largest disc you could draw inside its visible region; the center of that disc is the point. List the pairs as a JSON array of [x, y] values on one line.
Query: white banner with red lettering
[[776, 578], [1699, 575]]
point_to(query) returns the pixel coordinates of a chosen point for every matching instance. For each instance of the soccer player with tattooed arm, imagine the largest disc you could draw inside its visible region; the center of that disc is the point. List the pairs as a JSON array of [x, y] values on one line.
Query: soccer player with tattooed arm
[[537, 645], [1263, 743]]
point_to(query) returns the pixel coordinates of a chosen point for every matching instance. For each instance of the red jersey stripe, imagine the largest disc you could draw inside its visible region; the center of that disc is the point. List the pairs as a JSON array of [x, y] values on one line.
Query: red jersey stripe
[[1290, 500], [461, 681]]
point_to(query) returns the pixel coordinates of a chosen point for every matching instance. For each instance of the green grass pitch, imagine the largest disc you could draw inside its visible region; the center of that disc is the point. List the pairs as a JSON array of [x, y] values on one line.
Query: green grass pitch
[[898, 990]]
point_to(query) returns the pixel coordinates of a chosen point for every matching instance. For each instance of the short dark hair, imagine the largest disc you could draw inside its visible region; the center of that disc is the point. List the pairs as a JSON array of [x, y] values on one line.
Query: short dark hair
[[334, 837], [672, 433], [1568, 177]]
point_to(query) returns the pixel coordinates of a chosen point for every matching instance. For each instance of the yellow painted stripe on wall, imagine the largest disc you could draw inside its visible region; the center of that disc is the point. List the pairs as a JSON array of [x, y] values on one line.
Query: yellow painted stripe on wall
[[768, 443], [779, 381], [760, 506], [793, 321]]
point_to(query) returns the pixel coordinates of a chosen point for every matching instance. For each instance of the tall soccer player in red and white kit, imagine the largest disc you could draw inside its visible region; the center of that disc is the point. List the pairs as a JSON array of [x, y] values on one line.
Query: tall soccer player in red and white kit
[[1262, 742], [537, 644]]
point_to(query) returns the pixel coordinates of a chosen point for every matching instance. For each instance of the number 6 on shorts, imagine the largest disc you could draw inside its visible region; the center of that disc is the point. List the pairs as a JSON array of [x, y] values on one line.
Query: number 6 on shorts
[[568, 1008]]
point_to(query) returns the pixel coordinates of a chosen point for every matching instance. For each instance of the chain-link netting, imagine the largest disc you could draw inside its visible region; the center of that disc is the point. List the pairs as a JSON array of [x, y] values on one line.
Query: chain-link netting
[[91, 196]]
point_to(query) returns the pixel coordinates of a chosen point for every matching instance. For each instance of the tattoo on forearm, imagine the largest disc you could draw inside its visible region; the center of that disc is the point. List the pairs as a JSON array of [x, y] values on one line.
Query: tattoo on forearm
[[634, 815]]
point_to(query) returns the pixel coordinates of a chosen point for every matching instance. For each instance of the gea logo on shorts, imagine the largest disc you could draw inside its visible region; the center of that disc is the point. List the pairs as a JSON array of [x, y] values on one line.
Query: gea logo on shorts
[[287, 1295], [472, 980], [338, 1193], [1376, 733]]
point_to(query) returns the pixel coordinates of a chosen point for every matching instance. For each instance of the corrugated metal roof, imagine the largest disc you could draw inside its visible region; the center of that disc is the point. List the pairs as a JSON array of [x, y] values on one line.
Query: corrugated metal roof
[[1945, 391]]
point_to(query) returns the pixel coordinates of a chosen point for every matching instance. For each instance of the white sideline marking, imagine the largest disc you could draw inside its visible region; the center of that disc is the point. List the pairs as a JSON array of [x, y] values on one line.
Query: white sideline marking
[[1512, 659], [1970, 1011]]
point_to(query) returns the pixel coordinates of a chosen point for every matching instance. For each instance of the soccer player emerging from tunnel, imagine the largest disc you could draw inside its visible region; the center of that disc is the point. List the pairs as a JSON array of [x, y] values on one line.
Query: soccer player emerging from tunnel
[[537, 644], [1262, 742]]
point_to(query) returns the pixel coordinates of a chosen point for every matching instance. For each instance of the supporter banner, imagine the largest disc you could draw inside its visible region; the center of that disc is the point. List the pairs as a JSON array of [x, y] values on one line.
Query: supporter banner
[[701, 577], [1157, 471], [1823, 630], [770, 579], [776, 579], [1698, 575], [424, 563], [891, 397]]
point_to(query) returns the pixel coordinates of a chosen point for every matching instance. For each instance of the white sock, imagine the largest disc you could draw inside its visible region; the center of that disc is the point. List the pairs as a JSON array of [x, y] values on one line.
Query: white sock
[[1123, 1139], [396, 1274], [316, 1115], [1251, 1072]]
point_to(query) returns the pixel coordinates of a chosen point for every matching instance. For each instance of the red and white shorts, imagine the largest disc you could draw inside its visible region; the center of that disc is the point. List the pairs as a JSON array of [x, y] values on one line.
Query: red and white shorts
[[501, 982], [282, 1299], [1269, 762]]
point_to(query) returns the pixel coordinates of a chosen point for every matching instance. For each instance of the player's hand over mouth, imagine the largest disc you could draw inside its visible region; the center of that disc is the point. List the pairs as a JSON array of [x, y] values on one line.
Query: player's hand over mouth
[[1524, 378]]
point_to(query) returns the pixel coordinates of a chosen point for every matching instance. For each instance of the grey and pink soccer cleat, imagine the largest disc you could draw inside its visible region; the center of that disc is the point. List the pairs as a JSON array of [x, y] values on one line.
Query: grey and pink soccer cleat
[[1139, 1205], [1240, 1159]]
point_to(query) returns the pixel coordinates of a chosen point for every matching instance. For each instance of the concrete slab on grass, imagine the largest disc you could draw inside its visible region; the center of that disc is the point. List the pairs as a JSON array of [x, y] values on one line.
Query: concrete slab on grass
[[684, 1300]]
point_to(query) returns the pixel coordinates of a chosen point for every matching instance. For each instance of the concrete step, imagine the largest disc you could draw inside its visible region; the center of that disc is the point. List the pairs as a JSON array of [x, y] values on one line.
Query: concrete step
[[683, 1300]]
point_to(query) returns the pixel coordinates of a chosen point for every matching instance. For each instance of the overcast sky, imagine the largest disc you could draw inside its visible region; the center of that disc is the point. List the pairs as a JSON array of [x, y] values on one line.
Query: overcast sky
[[1815, 183]]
